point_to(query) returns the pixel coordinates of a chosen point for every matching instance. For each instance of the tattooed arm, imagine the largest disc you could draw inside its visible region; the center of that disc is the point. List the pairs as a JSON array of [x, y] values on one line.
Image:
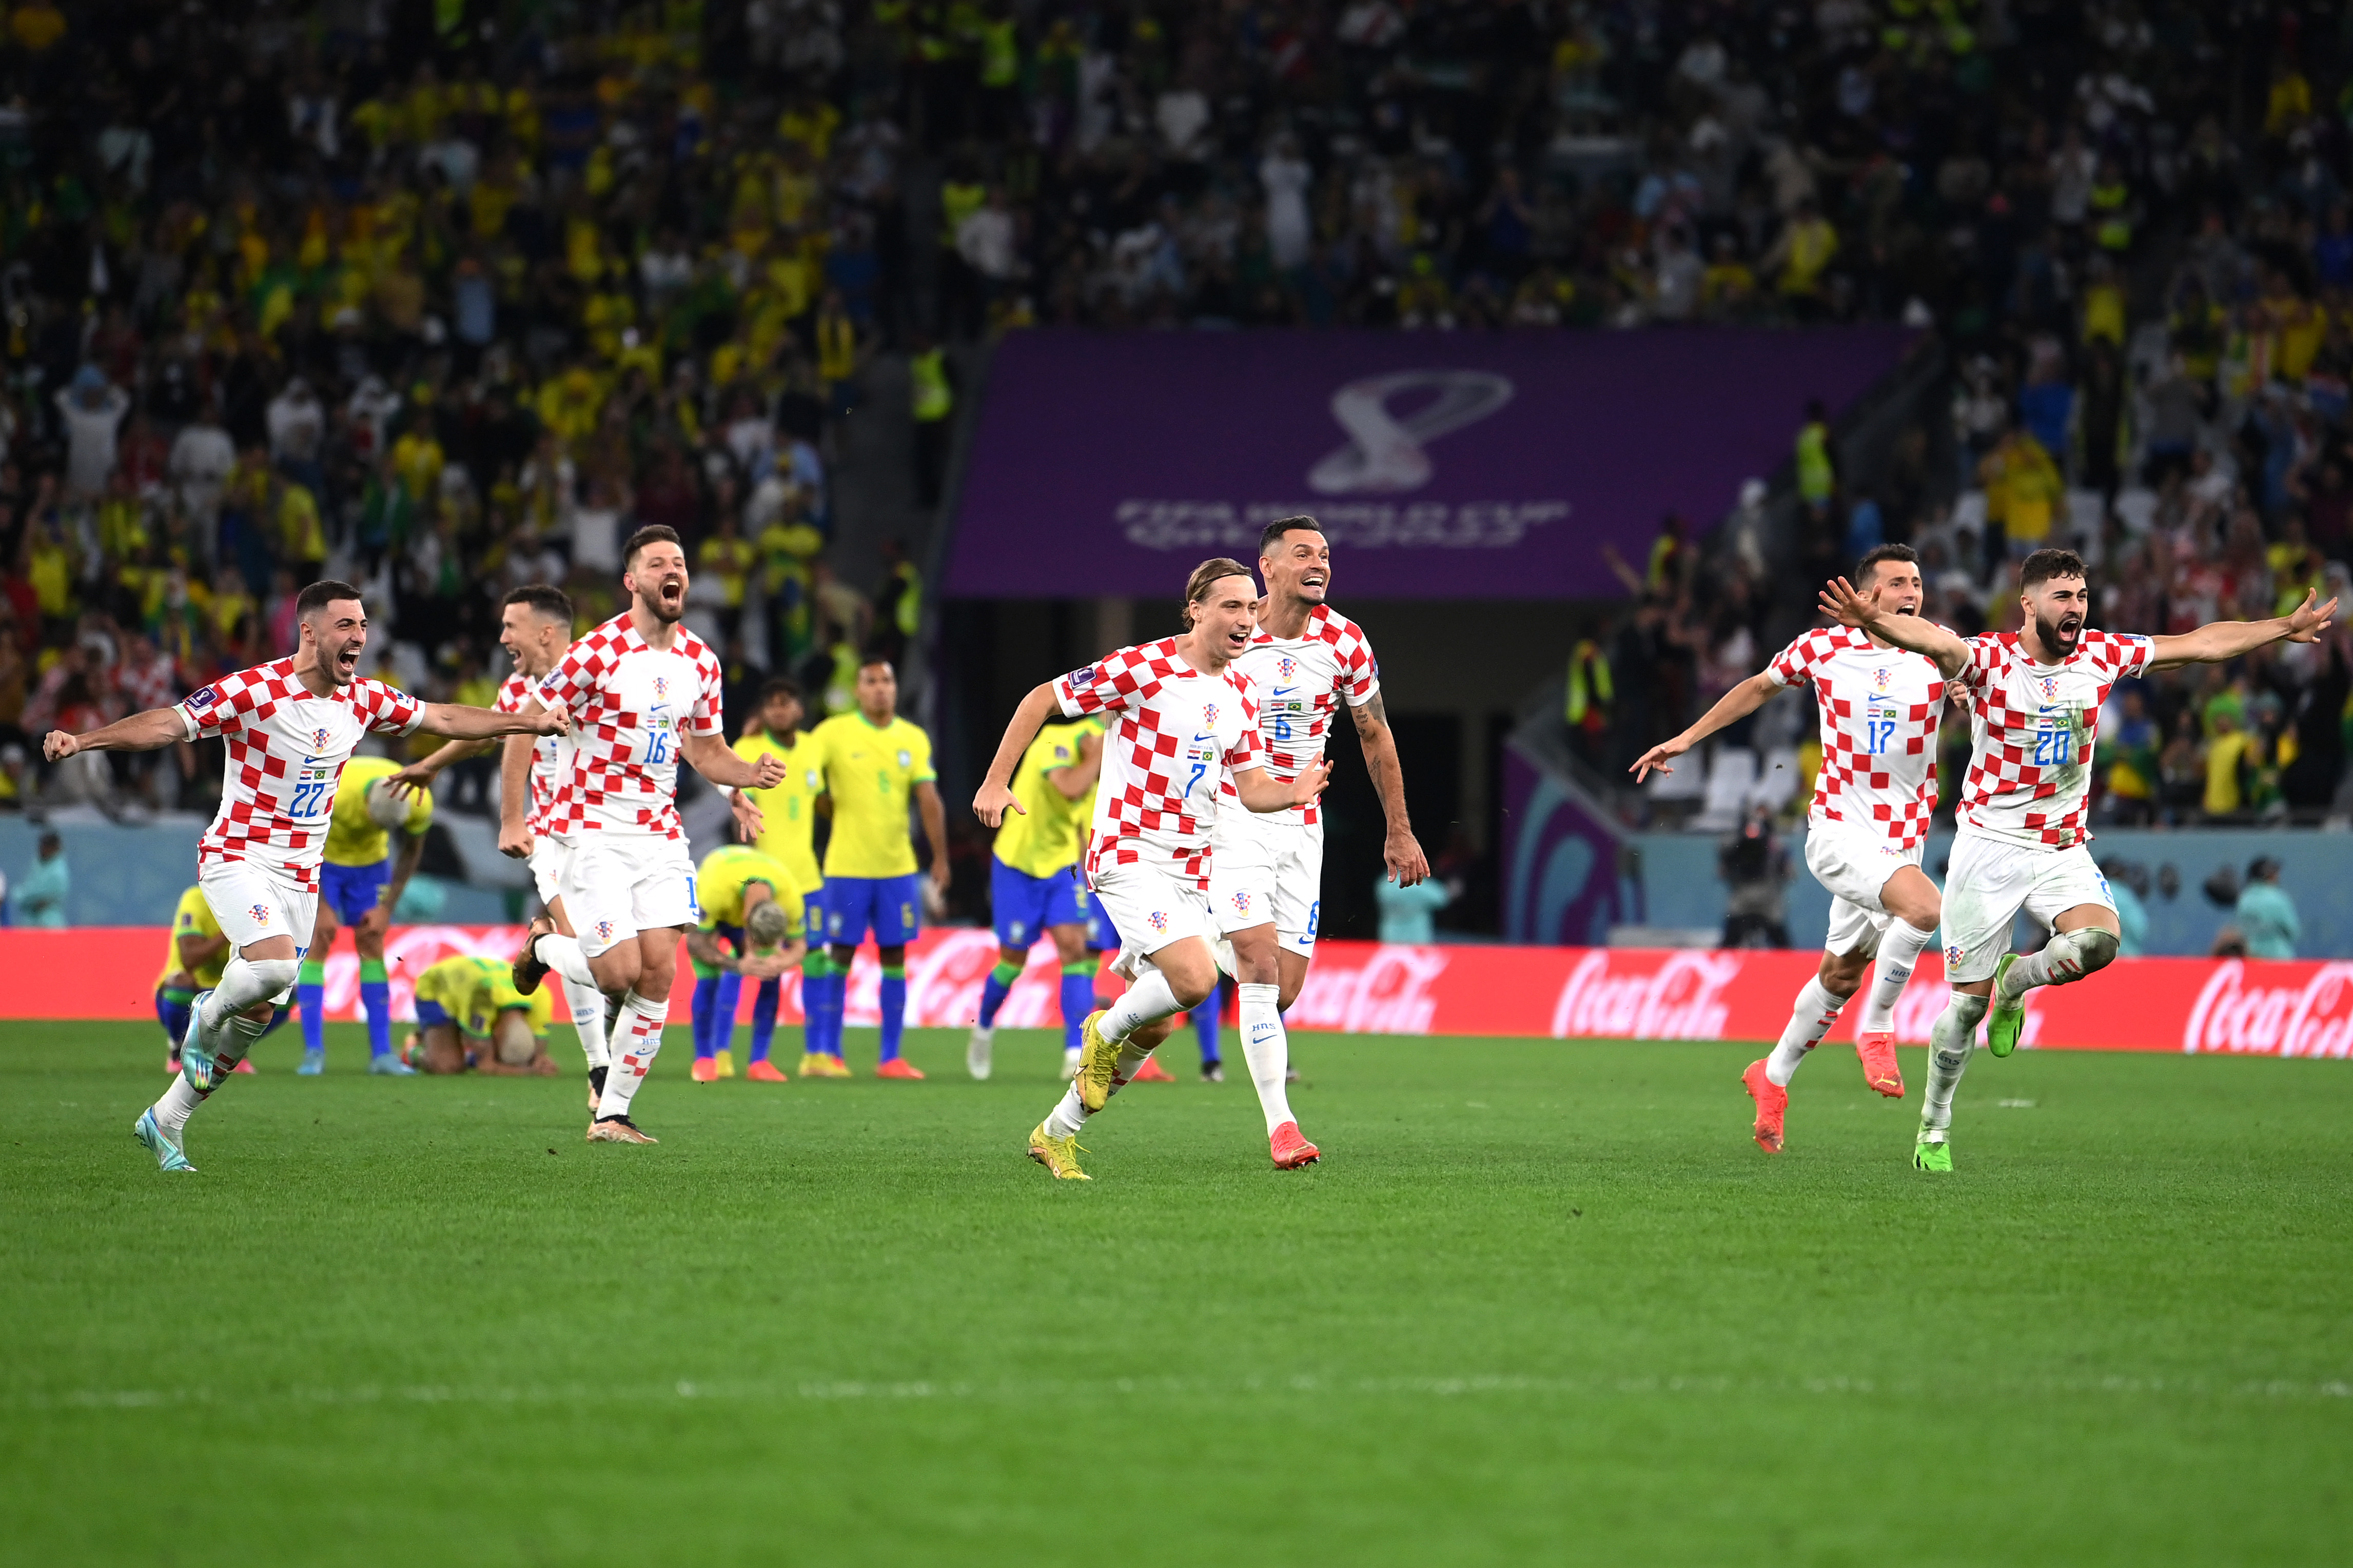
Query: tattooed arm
[[1407, 863]]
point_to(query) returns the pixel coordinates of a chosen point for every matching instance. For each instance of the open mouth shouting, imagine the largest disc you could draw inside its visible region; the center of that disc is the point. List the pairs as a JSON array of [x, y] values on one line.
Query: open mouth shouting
[[1313, 582], [670, 597], [344, 666]]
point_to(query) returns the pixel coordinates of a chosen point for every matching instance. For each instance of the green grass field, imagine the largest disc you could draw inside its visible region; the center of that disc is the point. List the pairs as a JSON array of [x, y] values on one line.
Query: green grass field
[[1542, 1302]]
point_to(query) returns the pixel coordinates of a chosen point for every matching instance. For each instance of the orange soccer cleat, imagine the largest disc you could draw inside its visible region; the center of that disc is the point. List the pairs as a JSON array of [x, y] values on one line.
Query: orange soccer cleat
[[765, 1071], [1877, 1052], [1290, 1150], [898, 1066], [1772, 1102], [706, 1069], [1151, 1072], [244, 1064]]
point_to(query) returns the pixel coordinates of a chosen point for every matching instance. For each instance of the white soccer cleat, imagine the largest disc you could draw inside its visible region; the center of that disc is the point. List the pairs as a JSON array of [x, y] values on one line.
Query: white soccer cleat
[[977, 1052]]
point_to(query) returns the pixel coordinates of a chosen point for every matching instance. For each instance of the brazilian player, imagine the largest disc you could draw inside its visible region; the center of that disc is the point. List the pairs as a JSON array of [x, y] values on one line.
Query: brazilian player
[[1033, 882], [469, 1015], [361, 882], [193, 956], [786, 836], [875, 766], [752, 906]]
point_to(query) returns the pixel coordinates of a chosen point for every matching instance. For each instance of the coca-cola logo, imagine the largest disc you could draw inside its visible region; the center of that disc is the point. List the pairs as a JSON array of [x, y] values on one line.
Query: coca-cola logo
[[2236, 1014], [1679, 1000], [1389, 993]]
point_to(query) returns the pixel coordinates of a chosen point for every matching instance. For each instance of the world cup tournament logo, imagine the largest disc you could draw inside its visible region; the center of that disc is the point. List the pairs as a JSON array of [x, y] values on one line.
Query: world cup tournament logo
[[1384, 454]]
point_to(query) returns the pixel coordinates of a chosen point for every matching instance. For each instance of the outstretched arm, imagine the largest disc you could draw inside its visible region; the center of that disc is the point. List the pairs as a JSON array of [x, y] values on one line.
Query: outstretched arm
[[1730, 709], [148, 732], [995, 793], [1079, 776], [2219, 640], [715, 760], [420, 773], [464, 724], [1402, 852], [1921, 635]]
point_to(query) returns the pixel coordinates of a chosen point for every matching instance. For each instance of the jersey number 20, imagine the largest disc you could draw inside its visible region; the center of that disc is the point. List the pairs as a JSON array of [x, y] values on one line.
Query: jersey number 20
[[2052, 748]]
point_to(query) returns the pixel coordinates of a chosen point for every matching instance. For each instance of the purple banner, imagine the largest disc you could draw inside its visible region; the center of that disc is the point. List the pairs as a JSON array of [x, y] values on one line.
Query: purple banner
[[1560, 861], [1442, 465]]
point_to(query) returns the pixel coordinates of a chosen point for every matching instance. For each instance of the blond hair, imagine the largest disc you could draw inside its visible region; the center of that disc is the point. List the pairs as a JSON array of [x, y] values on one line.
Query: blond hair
[[1197, 586]]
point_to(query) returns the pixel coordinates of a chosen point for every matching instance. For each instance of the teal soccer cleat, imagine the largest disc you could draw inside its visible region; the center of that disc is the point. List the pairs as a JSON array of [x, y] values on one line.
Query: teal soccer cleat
[[313, 1063], [168, 1154], [389, 1064], [198, 1065], [2008, 1019]]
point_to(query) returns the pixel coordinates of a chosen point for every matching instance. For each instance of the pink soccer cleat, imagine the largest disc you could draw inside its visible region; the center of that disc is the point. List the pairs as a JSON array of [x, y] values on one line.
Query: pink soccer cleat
[[1772, 1103], [1290, 1150], [1877, 1052]]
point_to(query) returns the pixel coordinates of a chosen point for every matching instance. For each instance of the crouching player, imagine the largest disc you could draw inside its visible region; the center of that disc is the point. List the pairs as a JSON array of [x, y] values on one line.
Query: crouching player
[[1033, 888], [751, 903], [359, 885], [469, 1015], [193, 956]]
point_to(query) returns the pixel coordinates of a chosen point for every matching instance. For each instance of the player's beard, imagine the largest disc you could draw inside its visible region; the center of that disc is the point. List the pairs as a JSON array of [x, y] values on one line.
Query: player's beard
[[659, 609], [2058, 642], [333, 665]]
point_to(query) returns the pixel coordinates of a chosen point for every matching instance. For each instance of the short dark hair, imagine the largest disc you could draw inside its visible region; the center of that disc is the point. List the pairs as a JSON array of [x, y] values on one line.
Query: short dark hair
[[2046, 565], [548, 600], [319, 595], [1271, 535], [1879, 553], [877, 654], [778, 686], [652, 533]]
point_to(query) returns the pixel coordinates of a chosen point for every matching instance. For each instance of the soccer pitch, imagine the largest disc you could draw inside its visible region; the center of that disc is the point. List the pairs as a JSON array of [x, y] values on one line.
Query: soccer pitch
[[1543, 1302]]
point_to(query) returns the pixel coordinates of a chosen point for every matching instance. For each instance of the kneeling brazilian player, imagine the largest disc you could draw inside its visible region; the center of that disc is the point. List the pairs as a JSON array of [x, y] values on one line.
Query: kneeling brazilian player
[[751, 929], [193, 956], [469, 1015]]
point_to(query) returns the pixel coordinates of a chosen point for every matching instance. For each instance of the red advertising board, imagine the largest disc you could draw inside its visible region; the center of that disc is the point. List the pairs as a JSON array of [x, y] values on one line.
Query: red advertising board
[[2302, 1008]]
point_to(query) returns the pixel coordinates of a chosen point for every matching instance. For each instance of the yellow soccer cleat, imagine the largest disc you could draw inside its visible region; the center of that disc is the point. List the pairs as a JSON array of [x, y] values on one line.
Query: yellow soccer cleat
[[1060, 1156], [726, 1062], [1098, 1072], [816, 1064]]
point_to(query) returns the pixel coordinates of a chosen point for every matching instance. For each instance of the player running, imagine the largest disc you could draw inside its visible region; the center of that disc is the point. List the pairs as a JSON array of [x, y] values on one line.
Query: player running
[[291, 725], [2020, 842], [536, 628], [469, 1015], [754, 905], [360, 884], [1881, 707], [1033, 883], [193, 955], [787, 815], [643, 692], [1183, 737], [874, 764]]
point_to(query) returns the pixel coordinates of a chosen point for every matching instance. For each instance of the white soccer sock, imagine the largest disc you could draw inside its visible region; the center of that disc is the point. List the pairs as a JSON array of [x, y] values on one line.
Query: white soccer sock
[[242, 984], [561, 953], [587, 1006], [1267, 1049], [1147, 1001], [2068, 957], [173, 1111], [242, 1032], [640, 1040], [1899, 951], [1950, 1045], [1809, 1020]]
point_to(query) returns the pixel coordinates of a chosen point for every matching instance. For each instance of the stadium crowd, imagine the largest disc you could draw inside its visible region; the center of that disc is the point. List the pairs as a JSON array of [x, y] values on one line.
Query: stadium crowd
[[444, 298]]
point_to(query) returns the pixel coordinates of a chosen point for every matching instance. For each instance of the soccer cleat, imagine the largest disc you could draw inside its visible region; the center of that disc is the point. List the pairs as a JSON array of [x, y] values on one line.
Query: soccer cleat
[[1213, 1072], [168, 1154], [618, 1130], [1772, 1103], [820, 1064], [1937, 1156], [764, 1071], [386, 1065], [197, 1063], [1071, 1056], [314, 1064], [978, 1059], [1876, 1051], [244, 1064], [1152, 1072], [1060, 1156], [725, 1061], [897, 1067], [1290, 1150], [2005, 1022], [171, 1064], [1098, 1072], [705, 1071], [528, 969]]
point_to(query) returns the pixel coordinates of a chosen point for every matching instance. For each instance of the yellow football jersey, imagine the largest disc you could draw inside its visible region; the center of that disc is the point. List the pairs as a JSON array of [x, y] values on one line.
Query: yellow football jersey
[[727, 870], [474, 991], [353, 836], [871, 773], [1043, 837], [788, 813], [193, 918]]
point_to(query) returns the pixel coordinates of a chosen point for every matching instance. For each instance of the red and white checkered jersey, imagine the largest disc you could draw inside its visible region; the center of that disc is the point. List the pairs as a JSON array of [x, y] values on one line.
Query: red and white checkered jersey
[[1177, 737], [286, 754], [546, 754], [1880, 710], [2031, 760], [631, 704], [1298, 684]]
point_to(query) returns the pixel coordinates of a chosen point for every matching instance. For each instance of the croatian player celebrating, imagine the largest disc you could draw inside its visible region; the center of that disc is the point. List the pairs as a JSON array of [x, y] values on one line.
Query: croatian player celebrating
[[291, 726], [2021, 843], [1183, 736], [1881, 707], [642, 692]]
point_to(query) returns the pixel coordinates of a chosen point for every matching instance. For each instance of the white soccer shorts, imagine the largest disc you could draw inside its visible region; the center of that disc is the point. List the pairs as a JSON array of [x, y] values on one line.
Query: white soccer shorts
[[1991, 879], [1262, 870], [1151, 910], [615, 885], [253, 902], [1854, 863], [547, 860]]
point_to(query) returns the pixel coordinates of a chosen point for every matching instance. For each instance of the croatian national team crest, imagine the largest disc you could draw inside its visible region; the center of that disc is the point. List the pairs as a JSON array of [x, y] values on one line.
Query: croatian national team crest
[[1953, 954], [1241, 902], [1881, 677], [261, 913], [1285, 668], [1208, 713], [604, 930], [319, 739], [661, 685], [1158, 920], [2050, 688]]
